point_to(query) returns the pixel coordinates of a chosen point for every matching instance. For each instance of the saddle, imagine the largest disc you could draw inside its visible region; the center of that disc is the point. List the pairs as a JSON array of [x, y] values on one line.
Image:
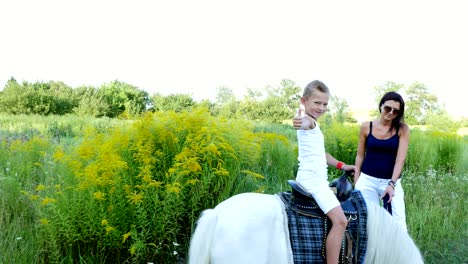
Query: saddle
[[309, 226], [305, 204]]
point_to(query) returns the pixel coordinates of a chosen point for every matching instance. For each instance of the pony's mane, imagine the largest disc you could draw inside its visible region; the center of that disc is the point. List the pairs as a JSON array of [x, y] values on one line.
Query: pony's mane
[[390, 237]]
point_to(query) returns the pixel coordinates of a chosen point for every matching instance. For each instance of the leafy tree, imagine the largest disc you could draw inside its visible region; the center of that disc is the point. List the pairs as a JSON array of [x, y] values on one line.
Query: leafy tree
[[290, 93], [91, 106], [40, 100], [123, 98], [172, 102], [224, 95], [274, 110], [64, 98], [441, 121], [253, 94], [211, 107], [420, 104], [91, 103], [280, 102], [250, 108], [12, 97], [339, 110], [226, 103], [229, 109], [37, 98]]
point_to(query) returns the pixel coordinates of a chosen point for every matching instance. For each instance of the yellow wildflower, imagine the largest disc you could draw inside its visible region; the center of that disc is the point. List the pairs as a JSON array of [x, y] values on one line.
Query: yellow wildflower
[[147, 178], [253, 174], [192, 181], [109, 229], [44, 221], [193, 165], [127, 188], [47, 201], [59, 155], [135, 197], [154, 183], [99, 196], [211, 148], [221, 172], [132, 251], [40, 187], [125, 236], [104, 222], [173, 188]]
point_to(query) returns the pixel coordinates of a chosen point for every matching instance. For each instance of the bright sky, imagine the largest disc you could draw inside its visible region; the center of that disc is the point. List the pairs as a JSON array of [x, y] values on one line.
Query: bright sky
[[194, 47]]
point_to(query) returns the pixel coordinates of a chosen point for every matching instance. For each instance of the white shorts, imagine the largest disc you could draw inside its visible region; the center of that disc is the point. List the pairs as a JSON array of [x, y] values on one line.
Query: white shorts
[[318, 187]]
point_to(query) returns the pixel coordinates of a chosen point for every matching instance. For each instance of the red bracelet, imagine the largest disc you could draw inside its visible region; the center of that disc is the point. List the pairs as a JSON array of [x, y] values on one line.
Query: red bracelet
[[339, 165]]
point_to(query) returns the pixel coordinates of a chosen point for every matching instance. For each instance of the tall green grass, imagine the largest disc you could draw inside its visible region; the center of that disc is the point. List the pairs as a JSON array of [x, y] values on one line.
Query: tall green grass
[[444, 151], [56, 127], [436, 209], [114, 191]]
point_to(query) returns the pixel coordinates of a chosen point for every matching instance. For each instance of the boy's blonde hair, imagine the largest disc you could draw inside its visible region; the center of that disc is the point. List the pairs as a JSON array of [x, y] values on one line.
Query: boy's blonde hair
[[319, 85]]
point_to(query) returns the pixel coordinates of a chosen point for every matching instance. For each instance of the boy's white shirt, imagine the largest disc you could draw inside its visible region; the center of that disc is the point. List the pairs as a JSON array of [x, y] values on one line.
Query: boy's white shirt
[[312, 155]]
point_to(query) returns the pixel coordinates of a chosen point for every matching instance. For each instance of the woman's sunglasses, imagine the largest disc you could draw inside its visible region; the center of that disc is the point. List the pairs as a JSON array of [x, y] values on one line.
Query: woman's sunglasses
[[392, 110]]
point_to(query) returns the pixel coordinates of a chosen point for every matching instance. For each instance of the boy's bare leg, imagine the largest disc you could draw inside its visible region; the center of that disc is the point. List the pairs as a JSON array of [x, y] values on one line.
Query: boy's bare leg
[[334, 238]]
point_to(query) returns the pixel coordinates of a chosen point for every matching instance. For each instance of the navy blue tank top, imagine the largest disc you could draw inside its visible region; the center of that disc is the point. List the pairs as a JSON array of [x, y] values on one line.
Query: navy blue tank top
[[380, 155]]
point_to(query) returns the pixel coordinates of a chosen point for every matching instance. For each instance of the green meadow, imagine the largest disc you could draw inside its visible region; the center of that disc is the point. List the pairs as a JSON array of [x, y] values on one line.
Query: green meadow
[[100, 190]]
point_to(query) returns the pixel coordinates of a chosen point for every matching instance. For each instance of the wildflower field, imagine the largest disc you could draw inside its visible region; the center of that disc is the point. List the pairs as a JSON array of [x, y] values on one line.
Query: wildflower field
[[76, 190]]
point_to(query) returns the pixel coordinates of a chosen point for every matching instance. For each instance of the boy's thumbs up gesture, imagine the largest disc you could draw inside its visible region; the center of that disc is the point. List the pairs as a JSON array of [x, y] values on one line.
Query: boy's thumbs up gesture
[[297, 120]]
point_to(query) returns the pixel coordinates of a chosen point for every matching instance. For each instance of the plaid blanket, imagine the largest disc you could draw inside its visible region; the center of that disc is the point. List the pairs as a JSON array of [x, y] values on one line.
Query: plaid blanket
[[308, 234]]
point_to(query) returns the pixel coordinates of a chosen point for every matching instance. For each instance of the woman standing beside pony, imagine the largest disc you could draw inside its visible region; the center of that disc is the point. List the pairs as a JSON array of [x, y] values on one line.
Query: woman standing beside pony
[[381, 154]]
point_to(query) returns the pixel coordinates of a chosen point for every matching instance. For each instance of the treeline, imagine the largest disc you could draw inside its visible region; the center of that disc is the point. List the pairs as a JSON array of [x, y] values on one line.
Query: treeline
[[122, 100], [113, 99], [117, 99]]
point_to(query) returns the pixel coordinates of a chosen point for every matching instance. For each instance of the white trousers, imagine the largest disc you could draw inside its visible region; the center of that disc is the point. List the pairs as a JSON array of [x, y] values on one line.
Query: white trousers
[[372, 189]]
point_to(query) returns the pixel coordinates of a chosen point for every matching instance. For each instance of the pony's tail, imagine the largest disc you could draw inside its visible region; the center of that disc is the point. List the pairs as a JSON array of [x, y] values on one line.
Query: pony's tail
[[200, 244]]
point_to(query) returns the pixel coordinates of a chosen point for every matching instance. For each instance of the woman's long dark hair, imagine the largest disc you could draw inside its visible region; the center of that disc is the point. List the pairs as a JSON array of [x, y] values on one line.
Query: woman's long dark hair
[[400, 118]]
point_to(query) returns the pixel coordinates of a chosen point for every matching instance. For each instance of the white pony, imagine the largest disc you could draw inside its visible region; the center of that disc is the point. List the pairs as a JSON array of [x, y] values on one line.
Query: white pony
[[253, 228]]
